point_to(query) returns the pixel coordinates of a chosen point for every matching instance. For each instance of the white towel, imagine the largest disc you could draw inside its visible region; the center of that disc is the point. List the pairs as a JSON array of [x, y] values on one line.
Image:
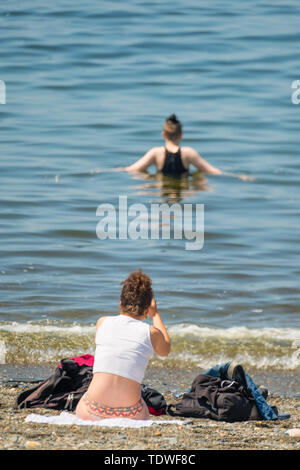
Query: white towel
[[65, 418]]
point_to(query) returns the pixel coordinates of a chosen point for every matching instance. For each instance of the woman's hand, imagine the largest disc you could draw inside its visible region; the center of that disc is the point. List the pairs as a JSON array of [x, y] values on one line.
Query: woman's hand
[[246, 178], [153, 308]]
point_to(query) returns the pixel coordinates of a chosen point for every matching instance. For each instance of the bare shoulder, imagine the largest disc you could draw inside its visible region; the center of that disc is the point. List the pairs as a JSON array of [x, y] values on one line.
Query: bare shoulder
[[154, 150], [157, 151], [188, 151], [159, 156], [153, 155], [187, 148], [99, 322]]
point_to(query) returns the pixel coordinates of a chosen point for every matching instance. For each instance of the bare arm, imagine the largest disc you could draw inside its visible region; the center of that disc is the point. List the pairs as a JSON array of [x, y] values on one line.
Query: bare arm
[[159, 336], [201, 164], [143, 163]]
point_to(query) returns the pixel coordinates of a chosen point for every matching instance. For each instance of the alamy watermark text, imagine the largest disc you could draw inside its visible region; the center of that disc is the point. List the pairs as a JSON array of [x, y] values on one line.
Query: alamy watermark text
[[153, 221]]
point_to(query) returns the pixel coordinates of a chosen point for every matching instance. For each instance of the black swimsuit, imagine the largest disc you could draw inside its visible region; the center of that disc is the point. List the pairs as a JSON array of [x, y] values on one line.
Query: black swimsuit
[[173, 165]]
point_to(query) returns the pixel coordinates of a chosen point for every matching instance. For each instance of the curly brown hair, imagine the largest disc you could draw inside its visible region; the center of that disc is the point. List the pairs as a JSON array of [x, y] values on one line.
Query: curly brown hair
[[136, 293]]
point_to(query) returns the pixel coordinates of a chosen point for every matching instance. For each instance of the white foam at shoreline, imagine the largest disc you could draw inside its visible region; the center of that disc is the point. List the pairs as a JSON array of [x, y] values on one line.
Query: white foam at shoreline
[[182, 329], [30, 327], [263, 362], [236, 332], [263, 348]]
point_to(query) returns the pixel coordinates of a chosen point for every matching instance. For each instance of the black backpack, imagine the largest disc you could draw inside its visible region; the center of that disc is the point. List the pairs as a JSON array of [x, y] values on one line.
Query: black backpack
[[213, 398], [154, 400], [71, 379], [61, 391]]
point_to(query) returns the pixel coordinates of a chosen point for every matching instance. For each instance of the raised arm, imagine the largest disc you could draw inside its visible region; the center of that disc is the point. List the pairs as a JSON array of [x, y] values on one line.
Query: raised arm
[[143, 163], [159, 336]]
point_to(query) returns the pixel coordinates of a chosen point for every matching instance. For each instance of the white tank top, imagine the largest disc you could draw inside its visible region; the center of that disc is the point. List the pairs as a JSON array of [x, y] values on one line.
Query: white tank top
[[123, 347]]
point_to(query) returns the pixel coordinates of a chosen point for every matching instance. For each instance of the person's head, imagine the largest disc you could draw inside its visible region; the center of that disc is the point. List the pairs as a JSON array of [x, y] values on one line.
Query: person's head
[[136, 294], [172, 129]]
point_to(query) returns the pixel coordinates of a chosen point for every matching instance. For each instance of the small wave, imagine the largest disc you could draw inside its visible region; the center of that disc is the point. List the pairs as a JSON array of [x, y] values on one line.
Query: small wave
[[235, 332], [47, 327], [261, 348], [194, 346]]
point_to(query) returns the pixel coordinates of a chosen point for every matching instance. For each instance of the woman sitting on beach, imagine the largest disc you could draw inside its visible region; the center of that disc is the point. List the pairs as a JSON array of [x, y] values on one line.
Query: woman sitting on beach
[[173, 160], [124, 345]]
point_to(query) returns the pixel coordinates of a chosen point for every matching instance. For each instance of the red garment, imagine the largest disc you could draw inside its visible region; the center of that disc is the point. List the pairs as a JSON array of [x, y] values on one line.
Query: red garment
[[85, 360]]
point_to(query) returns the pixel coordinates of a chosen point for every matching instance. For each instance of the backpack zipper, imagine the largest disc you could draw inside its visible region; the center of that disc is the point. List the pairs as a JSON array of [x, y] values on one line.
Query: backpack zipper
[[69, 402]]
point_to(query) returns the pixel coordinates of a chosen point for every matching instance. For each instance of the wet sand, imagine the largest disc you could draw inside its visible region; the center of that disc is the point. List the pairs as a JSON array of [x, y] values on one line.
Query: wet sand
[[194, 434]]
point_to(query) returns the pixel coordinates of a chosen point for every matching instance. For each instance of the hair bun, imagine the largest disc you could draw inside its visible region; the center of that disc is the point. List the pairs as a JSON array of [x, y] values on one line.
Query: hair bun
[[173, 118], [136, 293]]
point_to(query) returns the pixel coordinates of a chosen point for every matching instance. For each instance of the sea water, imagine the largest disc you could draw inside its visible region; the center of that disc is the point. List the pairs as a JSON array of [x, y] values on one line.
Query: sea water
[[88, 86]]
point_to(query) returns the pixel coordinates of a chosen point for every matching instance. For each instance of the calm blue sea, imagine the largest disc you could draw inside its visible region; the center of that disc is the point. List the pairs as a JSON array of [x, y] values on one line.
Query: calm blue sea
[[88, 87]]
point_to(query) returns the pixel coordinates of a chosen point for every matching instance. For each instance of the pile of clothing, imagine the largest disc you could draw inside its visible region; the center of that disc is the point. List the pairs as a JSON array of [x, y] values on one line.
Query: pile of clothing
[[223, 393], [70, 380]]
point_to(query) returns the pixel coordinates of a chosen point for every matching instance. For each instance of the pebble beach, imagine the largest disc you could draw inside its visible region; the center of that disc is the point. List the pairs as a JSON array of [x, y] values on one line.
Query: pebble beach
[[192, 434]]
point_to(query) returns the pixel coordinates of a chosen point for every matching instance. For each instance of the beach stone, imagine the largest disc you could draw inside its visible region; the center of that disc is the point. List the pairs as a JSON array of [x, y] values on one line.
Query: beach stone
[[172, 441], [32, 444], [294, 433]]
